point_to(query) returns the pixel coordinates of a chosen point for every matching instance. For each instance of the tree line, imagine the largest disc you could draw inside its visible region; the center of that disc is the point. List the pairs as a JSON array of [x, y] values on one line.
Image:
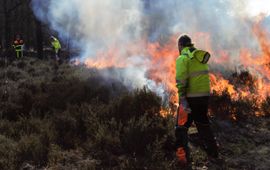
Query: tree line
[[17, 17]]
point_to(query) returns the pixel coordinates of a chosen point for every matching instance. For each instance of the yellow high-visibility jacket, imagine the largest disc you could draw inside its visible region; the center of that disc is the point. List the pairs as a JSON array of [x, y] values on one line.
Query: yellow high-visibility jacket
[[56, 44], [192, 78]]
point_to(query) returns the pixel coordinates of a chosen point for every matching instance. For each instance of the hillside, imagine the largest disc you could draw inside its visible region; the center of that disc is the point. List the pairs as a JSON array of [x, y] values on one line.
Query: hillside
[[67, 116]]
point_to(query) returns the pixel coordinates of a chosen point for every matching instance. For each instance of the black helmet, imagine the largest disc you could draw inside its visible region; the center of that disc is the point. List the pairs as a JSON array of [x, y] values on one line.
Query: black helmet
[[185, 41]]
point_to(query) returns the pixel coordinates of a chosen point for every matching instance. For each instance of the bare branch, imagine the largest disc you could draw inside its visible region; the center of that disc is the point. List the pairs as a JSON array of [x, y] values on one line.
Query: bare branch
[[15, 6]]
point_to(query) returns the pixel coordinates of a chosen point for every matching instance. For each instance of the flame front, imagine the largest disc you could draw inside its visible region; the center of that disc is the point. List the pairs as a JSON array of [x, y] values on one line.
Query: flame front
[[159, 59]]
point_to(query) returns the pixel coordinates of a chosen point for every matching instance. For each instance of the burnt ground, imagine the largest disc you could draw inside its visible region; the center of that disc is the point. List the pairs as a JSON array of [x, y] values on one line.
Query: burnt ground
[[243, 145]]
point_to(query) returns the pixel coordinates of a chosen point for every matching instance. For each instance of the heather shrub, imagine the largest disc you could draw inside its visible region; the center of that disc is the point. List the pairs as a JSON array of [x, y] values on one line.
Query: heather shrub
[[266, 106], [69, 117], [135, 105], [69, 159], [40, 87], [33, 149], [65, 131], [148, 143], [224, 107], [140, 133], [7, 153], [221, 106], [243, 80]]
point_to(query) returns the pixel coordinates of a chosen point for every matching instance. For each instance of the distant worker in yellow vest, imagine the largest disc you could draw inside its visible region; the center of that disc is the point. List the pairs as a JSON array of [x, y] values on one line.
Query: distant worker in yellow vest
[[193, 83], [18, 46], [56, 47]]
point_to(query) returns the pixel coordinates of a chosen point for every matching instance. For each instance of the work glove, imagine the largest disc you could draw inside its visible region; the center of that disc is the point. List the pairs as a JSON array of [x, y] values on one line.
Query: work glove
[[184, 103]]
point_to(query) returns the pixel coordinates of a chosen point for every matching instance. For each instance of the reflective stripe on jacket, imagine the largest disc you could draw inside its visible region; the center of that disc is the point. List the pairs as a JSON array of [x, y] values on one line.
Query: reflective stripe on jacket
[[192, 78], [18, 45]]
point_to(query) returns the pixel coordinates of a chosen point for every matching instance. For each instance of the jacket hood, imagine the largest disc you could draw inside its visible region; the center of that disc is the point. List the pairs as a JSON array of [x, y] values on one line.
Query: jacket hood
[[201, 55]]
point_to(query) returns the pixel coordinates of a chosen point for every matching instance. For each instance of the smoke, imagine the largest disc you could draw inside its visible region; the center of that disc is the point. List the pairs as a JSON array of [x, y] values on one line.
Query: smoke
[[228, 23], [91, 24], [95, 26]]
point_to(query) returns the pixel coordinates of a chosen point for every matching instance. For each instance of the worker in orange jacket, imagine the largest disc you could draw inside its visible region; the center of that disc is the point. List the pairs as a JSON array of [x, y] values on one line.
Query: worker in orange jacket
[[18, 46]]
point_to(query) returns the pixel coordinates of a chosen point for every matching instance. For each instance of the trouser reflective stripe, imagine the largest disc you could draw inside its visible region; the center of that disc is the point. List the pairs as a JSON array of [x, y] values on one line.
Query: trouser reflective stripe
[[19, 53], [19, 50], [198, 94], [198, 73]]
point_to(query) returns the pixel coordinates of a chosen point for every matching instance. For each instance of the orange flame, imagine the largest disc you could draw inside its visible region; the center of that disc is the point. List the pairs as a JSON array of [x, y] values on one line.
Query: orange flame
[[159, 59], [162, 68], [219, 85], [260, 63], [257, 65]]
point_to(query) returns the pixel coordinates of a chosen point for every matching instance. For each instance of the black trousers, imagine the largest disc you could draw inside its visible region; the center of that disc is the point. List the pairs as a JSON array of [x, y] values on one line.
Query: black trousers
[[199, 107], [199, 110]]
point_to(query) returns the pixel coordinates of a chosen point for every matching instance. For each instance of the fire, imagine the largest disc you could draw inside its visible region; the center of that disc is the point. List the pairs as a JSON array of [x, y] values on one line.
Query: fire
[[162, 68], [219, 85], [107, 59], [256, 64], [260, 63], [159, 59]]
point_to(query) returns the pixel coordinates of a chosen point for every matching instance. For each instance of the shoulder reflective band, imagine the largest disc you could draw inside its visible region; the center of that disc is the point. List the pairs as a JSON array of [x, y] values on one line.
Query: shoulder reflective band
[[198, 73], [206, 58]]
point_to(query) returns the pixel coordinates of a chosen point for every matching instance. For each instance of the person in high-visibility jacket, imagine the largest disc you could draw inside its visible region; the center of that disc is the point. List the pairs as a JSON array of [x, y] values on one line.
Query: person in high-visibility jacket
[[193, 83], [18, 46], [56, 46]]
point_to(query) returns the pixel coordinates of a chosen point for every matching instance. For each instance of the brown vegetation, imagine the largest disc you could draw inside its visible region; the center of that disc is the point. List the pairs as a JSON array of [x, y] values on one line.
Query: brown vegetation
[[66, 116]]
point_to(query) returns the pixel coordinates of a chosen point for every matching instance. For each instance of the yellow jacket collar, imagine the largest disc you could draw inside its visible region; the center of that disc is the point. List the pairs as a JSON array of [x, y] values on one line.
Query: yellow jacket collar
[[186, 51]]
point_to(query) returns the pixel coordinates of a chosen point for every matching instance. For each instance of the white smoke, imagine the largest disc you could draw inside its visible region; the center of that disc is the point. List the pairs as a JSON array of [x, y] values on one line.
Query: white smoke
[[255, 8], [228, 22], [95, 25], [92, 24]]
